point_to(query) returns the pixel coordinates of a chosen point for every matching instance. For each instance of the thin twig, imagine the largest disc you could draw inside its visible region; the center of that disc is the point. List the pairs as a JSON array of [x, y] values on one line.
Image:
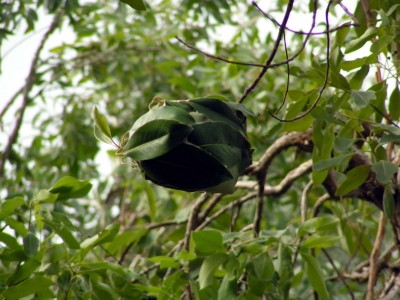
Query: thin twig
[[30, 80], [273, 53], [260, 204], [356, 24], [373, 259], [339, 274], [326, 74], [288, 75], [304, 202]]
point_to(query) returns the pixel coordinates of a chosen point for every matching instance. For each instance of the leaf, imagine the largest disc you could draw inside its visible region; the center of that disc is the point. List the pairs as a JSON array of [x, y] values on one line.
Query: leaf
[[208, 268], [321, 114], [151, 200], [27, 287], [392, 9], [101, 123], [207, 241], [316, 241], [106, 235], [354, 178], [69, 187], [155, 138], [362, 99], [52, 255], [260, 269], [135, 4], [315, 275], [10, 241], [8, 206], [23, 271], [171, 113], [343, 145], [378, 128], [394, 103], [285, 270], [44, 196], [318, 223], [331, 162], [61, 230], [358, 43], [31, 244], [218, 111], [384, 171], [16, 225], [101, 136], [381, 44], [228, 288], [388, 202]]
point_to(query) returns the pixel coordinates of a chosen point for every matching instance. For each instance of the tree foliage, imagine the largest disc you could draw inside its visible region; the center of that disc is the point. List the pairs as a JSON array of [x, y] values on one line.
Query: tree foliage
[[317, 214]]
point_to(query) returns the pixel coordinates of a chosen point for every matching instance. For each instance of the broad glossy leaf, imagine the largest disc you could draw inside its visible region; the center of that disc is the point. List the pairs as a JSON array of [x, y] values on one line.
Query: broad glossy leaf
[[388, 202], [315, 275], [155, 138], [378, 128], [318, 223], [228, 288], [331, 162], [229, 156], [31, 244], [260, 269], [285, 270], [226, 187], [10, 241], [217, 133], [358, 43], [101, 123], [207, 241], [8, 206], [362, 99], [23, 271], [28, 287], [218, 111], [101, 136], [163, 113], [354, 178], [19, 227], [45, 196], [135, 4], [384, 171], [394, 103], [186, 168], [324, 241], [381, 44], [69, 187], [343, 145], [321, 114], [208, 268], [53, 254]]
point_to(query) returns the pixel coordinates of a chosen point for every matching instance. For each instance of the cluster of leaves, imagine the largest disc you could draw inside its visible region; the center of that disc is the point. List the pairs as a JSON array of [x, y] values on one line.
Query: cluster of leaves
[[124, 237]]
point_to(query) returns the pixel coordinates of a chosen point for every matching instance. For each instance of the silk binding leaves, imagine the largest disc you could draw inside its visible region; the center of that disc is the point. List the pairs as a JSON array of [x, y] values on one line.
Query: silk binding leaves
[[191, 145]]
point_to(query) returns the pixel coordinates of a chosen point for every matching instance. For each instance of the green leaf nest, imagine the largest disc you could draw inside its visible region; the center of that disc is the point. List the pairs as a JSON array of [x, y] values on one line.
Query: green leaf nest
[[191, 145]]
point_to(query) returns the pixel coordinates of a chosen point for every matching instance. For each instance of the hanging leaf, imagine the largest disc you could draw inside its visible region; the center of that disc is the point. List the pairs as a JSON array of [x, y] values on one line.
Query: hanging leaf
[[315, 275], [354, 178], [135, 4], [384, 171]]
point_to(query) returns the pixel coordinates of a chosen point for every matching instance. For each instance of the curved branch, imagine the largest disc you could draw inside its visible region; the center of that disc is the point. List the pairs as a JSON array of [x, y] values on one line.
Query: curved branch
[[27, 88]]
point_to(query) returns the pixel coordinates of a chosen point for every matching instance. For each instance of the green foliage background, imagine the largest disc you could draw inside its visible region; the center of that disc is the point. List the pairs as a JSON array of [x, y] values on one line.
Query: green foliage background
[[316, 229]]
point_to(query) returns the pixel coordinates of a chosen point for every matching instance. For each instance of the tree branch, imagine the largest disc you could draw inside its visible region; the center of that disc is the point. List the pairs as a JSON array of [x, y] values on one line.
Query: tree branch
[[30, 80]]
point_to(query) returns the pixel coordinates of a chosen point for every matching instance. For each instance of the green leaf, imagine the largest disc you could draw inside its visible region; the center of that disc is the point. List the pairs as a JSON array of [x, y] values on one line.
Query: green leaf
[[315, 275], [106, 235], [260, 269], [155, 138], [394, 103], [151, 200], [378, 128], [388, 202], [354, 178], [207, 241], [384, 171], [16, 225], [171, 113], [389, 139], [10, 241], [331, 162], [101, 136], [362, 99], [285, 270], [208, 268], [44, 196], [358, 43], [392, 9], [228, 288], [23, 271], [28, 287], [31, 244], [101, 123], [321, 114], [316, 241], [318, 223], [381, 44], [52, 255], [135, 4], [8, 206], [343, 145], [69, 187], [218, 111]]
